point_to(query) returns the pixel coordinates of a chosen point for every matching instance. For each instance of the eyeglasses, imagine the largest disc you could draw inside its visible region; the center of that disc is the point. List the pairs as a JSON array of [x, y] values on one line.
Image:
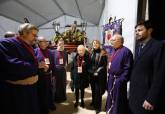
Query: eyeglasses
[[34, 35], [44, 41]]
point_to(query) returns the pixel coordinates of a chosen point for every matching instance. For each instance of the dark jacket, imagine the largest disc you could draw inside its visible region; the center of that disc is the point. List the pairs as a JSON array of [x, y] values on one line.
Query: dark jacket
[[100, 68], [80, 80], [146, 79]]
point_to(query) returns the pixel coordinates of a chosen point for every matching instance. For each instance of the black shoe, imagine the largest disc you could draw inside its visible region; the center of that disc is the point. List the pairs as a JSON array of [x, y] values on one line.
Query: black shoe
[[60, 101], [97, 111], [76, 104], [82, 104], [52, 107], [91, 104]]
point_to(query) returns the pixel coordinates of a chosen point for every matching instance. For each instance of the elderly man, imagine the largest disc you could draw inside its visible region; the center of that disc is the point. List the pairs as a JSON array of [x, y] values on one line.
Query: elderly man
[[18, 70], [79, 74], [44, 56], [120, 64]]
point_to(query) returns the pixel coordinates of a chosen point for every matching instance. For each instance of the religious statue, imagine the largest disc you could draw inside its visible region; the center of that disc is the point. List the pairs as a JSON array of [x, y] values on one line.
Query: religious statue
[[73, 35]]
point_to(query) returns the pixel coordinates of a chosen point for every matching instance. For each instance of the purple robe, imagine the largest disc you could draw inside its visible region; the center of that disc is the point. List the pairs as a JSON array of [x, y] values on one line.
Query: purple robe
[[45, 86], [16, 63], [119, 71], [60, 75]]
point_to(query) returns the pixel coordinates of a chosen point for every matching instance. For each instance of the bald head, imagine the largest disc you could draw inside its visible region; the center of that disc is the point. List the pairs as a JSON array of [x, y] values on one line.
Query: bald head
[[41, 38], [9, 34], [42, 42], [81, 50]]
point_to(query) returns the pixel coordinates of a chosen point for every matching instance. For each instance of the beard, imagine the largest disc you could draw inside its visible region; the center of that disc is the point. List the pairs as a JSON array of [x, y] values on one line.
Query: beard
[[33, 42], [139, 38]]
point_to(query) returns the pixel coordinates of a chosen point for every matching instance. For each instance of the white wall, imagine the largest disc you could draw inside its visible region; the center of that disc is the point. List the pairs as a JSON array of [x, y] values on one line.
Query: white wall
[[92, 30], [126, 9], [7, 25]]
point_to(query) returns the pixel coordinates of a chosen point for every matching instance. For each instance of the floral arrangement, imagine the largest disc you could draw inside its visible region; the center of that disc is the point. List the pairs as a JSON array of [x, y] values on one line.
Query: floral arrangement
[[74, 38]]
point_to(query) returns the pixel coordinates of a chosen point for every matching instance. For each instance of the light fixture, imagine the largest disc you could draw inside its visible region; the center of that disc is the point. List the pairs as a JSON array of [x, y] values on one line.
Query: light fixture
[[56, 26], [83, 26]]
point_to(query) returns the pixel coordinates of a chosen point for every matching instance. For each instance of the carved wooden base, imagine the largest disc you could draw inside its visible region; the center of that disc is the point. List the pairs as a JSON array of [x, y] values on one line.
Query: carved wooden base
[[68, 48]]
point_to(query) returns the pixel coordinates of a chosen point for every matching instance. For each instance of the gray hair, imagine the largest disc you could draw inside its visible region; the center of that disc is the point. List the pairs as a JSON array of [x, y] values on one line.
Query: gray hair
[[120, 37], [26, 27], [41, 38], [80, 46]]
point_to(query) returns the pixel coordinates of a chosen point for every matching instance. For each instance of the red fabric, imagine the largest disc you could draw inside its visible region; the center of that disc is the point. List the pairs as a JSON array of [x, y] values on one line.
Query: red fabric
[[29, 48], [60, 54], [113, 55], [80, 61], [45, 53], [109, 36]]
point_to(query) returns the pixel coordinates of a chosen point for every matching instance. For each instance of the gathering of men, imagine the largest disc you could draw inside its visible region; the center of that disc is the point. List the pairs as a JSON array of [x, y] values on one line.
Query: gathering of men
[[34, 79]]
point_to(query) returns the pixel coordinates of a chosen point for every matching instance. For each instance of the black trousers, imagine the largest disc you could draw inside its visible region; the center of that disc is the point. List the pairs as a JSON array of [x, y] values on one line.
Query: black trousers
[[45, 94], [77, 95], [96, 93]]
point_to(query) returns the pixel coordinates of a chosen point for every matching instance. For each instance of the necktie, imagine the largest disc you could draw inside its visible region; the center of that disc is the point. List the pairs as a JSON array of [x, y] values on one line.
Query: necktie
[[140, 49]]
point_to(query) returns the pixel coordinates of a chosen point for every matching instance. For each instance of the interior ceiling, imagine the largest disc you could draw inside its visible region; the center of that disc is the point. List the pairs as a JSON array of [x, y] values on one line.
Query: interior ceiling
[[40, 12]]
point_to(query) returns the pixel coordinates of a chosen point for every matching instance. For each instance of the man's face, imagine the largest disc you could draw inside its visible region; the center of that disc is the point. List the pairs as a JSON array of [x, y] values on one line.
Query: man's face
[[116, 42], [81, 51], [96, 45], [43, 44], [141, 33], [30, 36]]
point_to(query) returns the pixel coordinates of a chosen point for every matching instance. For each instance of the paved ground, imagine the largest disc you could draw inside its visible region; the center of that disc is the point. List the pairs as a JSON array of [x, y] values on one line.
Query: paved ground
[[67, 107]]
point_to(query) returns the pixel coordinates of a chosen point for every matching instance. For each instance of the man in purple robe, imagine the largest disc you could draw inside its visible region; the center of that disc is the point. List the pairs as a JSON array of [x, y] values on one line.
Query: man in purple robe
[[18, 70], [60, 60], [44, 56], [120, 63]]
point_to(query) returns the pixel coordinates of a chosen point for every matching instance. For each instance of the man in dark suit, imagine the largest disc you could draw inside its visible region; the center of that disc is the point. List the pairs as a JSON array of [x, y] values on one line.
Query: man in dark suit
[[147, 73]]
